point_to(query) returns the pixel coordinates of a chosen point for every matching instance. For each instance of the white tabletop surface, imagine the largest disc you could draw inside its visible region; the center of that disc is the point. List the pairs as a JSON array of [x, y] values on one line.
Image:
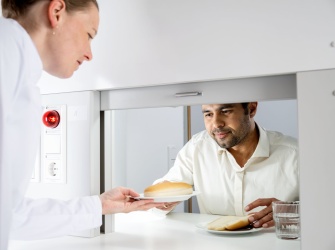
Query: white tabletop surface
[[147, 230]]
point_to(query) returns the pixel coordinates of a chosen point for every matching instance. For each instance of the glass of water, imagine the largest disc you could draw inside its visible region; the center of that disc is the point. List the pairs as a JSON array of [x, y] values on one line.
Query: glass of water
[[286, 215]]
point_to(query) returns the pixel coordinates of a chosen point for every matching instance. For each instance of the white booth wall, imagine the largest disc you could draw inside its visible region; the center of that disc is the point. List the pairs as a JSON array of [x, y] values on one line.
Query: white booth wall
[[159, 42]]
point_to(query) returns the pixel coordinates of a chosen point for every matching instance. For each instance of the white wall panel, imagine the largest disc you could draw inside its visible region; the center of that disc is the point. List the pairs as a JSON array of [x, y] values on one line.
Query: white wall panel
[[155, 42], [82, 150], [316, 107]]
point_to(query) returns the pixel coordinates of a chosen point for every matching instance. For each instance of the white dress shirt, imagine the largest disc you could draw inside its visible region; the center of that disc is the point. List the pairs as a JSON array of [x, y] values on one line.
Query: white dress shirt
[[225, 187], [20, 122]]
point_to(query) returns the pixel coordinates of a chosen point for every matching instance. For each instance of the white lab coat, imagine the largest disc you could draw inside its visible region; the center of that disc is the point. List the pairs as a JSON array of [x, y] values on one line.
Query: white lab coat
[[20, 121]]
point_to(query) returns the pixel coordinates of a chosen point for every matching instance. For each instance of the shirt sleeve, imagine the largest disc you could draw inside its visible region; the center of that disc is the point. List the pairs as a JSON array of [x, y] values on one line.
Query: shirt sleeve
[[47, 218]]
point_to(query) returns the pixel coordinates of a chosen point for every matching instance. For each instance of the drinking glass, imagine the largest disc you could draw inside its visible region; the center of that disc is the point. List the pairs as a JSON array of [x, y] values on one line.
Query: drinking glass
[[286, 215]]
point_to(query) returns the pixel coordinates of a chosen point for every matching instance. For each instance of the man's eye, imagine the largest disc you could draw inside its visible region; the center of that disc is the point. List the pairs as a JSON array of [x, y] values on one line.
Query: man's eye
[[89, 36], [225, 111]]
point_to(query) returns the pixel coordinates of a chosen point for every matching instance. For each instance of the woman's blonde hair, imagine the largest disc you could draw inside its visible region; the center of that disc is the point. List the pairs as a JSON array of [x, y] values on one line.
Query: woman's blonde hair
[[17, 8]]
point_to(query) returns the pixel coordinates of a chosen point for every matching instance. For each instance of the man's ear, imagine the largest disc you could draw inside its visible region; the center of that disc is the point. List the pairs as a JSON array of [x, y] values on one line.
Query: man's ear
[[55, 10], [252, 109]]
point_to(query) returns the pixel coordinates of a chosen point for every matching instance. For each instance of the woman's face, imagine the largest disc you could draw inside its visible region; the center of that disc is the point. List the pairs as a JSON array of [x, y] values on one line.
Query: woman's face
[[70, 44]]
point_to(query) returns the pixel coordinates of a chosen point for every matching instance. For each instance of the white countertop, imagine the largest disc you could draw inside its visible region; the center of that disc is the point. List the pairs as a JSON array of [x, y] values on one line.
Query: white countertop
[[146, 230]]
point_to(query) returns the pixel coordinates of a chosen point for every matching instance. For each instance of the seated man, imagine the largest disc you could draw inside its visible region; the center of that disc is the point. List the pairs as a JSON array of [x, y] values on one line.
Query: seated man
[[237, 166]]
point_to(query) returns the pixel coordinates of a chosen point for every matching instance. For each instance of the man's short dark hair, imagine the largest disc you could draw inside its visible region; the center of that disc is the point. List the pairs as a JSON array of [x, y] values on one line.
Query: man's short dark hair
[[245, 107]]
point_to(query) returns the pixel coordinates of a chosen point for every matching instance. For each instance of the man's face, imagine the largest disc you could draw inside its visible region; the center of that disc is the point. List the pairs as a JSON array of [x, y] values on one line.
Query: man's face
[[227, 124]]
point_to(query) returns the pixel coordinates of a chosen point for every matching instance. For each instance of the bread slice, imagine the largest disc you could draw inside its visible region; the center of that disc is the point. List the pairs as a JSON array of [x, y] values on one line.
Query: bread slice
[[168, 189], [228, 223]]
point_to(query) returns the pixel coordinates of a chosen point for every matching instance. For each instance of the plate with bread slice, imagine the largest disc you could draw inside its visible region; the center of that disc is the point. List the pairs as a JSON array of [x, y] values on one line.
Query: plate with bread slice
[[168, 192], [229, 225], [167, 198]]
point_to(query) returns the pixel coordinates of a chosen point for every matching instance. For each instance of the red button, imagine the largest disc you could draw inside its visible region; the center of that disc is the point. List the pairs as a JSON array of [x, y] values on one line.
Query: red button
[[51, 119]]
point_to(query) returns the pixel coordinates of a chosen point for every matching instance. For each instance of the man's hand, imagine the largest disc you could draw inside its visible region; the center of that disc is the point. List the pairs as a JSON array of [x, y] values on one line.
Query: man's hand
[[264, 217], [118, 200], [168, 206]]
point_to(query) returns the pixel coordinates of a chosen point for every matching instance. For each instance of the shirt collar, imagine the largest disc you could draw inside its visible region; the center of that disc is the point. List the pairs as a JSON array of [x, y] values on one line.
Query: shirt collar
[[263, 146]]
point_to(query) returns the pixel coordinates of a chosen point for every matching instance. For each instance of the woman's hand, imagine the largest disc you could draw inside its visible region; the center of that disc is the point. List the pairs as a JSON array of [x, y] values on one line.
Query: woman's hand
[[119, 200]]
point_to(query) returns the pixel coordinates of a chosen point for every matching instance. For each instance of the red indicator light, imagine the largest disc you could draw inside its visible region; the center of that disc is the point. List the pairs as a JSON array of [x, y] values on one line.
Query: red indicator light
[[51, 118]]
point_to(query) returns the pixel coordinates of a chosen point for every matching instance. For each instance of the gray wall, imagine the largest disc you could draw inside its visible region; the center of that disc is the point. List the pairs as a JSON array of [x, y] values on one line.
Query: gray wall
[[145, 143], [271, 115]]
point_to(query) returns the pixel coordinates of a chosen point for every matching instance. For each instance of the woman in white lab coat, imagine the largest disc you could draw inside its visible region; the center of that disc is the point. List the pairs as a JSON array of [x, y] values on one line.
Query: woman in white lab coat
[[54, 36]]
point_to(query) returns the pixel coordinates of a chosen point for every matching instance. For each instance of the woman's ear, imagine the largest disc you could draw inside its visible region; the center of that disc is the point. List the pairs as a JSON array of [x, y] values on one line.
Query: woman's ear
[[55, 11]]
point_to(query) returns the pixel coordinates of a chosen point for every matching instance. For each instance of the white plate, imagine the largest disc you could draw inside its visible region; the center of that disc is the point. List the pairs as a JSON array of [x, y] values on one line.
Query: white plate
[[168, 198], [203, 226]]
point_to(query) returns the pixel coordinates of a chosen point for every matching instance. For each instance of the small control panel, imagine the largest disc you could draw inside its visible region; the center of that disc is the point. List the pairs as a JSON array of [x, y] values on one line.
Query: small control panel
[[53, 144]]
